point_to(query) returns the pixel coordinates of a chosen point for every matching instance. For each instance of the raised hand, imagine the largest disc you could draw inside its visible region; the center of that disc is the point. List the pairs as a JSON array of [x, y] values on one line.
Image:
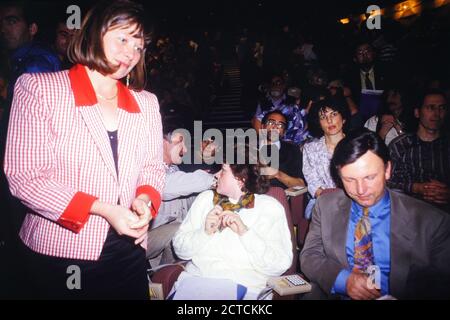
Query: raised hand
[[213, 220], [233, 221]]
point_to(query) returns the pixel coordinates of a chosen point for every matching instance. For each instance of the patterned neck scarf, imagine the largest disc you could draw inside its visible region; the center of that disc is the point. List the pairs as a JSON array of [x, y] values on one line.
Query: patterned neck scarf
[[246, 201]]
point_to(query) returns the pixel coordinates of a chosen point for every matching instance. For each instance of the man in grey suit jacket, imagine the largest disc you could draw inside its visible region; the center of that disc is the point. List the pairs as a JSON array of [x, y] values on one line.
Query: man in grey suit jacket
[[410, 238]]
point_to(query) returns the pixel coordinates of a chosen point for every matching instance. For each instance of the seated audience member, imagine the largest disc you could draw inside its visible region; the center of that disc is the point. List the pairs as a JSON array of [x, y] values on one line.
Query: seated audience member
[[297, 129], [315, 88], [366, 76], [328, 119], [338, 90], [313, 95], [421, 160], [235, 232], [18, 31], [316, 77], [286, 102], [288, 173], [179, 193], [308, 52], [394, 117], [370, 227], [275, 99], [19, 28], [367, 73], [63, 36]]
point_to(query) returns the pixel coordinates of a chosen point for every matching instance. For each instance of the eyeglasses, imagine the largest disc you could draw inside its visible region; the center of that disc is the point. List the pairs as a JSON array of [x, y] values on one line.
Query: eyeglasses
[[329, 115], [277, 124]]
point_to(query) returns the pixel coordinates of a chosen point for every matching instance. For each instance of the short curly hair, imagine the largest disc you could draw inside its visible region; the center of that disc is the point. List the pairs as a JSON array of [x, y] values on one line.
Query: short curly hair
[[330, 102]]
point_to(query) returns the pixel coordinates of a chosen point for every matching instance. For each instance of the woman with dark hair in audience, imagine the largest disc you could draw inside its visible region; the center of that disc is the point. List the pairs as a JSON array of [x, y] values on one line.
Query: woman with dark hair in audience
[[328, 120], [235, 232], [84, 154]]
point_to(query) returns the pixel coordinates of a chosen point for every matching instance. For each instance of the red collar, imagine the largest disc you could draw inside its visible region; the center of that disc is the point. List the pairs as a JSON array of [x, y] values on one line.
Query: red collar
[[85, 95]]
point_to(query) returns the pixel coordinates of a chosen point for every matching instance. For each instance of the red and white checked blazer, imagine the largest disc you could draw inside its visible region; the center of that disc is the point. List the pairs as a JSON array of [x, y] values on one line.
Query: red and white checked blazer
[[59, 161]]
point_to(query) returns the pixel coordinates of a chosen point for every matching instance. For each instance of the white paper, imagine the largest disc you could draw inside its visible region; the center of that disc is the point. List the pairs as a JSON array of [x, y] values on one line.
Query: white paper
[[201, 288], [372, 92]]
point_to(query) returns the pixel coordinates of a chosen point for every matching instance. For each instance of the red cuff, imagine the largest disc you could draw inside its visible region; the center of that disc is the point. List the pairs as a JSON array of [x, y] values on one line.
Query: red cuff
[[154, 196], [77, 212]]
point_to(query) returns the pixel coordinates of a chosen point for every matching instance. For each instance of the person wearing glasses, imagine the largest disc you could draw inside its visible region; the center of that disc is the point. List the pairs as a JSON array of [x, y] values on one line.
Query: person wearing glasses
[[367, 74], [421, 160], [288, 172], [371, 75], [287, 102], [328, 121]]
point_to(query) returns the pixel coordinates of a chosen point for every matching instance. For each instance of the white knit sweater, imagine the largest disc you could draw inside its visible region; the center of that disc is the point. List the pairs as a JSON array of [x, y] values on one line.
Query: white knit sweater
[[264, 250]]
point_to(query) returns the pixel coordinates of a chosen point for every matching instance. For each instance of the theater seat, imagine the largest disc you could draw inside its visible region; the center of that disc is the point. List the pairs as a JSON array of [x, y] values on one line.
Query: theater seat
[[279, 194], [298, 215], [167, 277], [297, 205]]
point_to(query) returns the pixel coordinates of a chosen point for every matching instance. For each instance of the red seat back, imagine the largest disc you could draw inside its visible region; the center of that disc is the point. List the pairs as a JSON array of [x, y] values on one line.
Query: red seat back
[[279, 194], [167, 277]]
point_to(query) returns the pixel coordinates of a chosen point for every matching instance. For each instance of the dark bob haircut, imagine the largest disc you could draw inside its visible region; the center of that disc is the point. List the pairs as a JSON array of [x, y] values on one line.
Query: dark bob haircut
[[248, 172], [86, 46], [354, 146], [330, 102]]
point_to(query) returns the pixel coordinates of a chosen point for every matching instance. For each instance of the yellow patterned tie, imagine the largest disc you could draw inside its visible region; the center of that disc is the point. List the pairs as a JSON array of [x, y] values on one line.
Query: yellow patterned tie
[[363, 256]]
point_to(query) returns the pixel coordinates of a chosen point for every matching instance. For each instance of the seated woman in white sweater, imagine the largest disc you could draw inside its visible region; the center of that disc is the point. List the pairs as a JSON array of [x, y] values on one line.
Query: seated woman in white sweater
[[235, 232]]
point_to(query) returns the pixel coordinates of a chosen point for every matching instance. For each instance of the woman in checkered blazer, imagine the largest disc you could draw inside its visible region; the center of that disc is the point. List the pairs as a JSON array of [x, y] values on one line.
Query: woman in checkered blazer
[[84, 154]]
